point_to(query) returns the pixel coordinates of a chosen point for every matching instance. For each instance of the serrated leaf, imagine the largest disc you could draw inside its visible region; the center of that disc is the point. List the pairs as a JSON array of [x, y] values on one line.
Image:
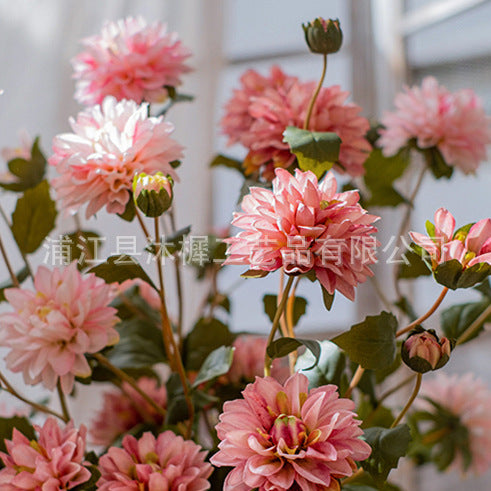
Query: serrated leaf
[[121, 268], [270, 305], [230, 163], [33, 218], [217, 363], [315, 151], [284, 346], [388, 446], [457, 318], [371, 343], [7, 426], [20, 275]]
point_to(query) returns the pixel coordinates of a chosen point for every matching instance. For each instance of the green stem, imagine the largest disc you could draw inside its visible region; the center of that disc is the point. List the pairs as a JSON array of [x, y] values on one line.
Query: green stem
[[476, 325], [180, 295], [276, 323], [417, 386], [316, 93], [63, 404], [13, 277]]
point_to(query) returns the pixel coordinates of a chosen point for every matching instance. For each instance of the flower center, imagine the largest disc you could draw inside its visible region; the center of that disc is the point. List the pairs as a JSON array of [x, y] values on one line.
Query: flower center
[[289, 434]]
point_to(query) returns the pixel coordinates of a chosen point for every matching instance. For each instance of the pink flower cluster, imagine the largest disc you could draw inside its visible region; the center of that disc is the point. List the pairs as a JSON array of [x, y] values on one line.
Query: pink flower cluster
[[302, 225], [468, 247], [129, 59], [455, 123], [110, 143], [285, 437], [123, 410], [54, 461], [259, 112], [167, 462], [469, 399], [53, 328]]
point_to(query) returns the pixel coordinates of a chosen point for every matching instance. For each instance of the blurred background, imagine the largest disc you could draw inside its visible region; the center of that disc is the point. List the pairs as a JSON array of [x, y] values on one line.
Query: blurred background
[[386, 43]]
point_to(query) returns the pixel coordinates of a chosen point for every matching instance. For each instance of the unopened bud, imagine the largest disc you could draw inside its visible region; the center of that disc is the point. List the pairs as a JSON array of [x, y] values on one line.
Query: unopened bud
[[323, 36], [424, 351], [153, 194]]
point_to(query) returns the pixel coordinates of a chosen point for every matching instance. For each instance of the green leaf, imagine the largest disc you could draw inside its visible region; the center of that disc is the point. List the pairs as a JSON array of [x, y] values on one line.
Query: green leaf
[[283, 346], [206, 336], [7, 426], [436, 163], [380, 174], [270, 304], [330, 368], [417, 267], [452, 275], [230, 163], [315, 151], [81, 247], [328, 298], [33, 218], [254, 273], [121, 268], [457, 318], [484, 288], [175, 241], [388, 446], [28, 173], [371, 343], [474, 275], [129, 211], [217, 363], [20, 275]]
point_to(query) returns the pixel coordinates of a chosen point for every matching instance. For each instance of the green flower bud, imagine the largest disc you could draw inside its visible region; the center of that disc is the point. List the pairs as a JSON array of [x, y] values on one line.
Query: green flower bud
[[324, 37], [153, 194]]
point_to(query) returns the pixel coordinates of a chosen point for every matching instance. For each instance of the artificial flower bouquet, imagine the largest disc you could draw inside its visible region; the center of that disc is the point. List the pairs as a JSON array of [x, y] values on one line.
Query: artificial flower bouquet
[[202, 407]]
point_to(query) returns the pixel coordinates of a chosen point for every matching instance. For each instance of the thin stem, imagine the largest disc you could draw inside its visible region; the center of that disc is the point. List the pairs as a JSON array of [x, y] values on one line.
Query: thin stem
[[13, 277], [63, 404], [281, 286], [180, 295], [476, 325], [354, 381], [276, 323], [292, 357], [316, 93], [430, 312], [38, 407], [399, 386], [129, 380], [378, 290], [142, 224], [417, 386]]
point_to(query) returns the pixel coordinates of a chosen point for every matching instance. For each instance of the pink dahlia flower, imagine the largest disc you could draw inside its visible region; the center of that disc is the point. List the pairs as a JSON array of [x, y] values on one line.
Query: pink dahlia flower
[[166, 463], [302, 225], [123, 410], [259, 112], [469, 248], [455, 123], [53, 462], [248, 361], [53, 328], [109, 145], [469, 400], [285, 437], [129, 60]]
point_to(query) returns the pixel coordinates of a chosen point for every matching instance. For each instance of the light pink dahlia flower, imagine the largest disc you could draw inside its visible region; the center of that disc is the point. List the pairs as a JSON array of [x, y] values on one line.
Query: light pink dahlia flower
[[54, 327], [54, 461], [287, 438], [469, 400], [123, 409], [110, 143], [302, 225], [455, 123], [165, 463], [259, 112], [129, 59], [469, 248]]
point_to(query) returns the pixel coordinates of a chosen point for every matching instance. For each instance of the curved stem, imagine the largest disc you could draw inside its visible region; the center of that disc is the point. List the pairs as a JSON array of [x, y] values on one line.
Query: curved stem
[[13, 277], [316, 93], [142, 224], [283, 325], [476, 325], [292, 357], [399, 386], [417, 386], [38, 407], [64, 407], [430, 312], [354, 381], [129, 380], [276, 323]]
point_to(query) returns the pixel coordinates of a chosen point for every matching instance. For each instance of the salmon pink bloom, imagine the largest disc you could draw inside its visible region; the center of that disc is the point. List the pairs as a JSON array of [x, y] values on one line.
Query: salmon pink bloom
[[465, 403], [53, 328], [109, 145], [455, 123], [167, 462], [54, 461], [123, 410], [129, 59], [259, 112], [285, 437], [302, 225]]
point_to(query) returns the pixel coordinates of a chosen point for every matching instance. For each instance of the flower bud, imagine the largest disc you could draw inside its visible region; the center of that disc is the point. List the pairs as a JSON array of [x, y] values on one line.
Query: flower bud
[[323, 36], [153, 194], [424, 351]]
